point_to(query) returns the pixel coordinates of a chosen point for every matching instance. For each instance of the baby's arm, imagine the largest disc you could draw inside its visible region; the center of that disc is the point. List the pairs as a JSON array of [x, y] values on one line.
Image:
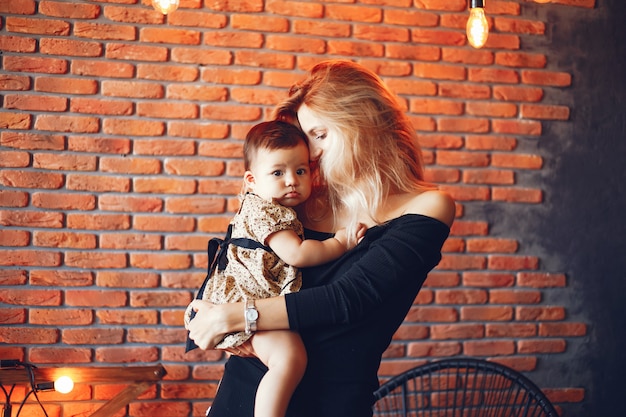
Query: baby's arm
[[310, 252]]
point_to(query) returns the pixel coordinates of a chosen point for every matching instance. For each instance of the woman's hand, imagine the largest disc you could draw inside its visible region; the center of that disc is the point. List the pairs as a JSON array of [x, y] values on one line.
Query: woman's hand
[[210, 324]]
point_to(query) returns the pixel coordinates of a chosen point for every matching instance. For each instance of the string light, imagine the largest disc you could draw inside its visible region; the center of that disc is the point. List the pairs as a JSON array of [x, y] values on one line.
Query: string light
[[477, 25], [64, 384], [165, 6]]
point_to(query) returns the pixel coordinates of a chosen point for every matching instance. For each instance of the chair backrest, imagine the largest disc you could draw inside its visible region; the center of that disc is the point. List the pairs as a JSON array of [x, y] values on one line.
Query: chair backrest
[[461, 388]]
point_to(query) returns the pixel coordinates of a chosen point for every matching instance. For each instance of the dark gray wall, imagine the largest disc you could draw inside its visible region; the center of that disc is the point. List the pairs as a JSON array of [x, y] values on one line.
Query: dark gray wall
[[581, 228]]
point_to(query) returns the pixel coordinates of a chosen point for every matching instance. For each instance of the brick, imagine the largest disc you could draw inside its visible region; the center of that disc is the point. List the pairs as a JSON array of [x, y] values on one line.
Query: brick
[[433, 349], [132, 52], [379, 34], [413, 52], [438, 37], [197, 130], [37, 26], [159, 299], [459, 158], [456, 262], [98, 221], [466, 56], [15, 120], [442, 175], [14, 82], [410, 17], [156, 336], [69, 47], [99, 145], [164, 147], [163, 223], [521, 26], [213, 224], [98, 106], [132, 89], [54, 355], [488, 176], [163, 72], [321, 28], [69, 10], [97, 183], [519, 161], [35, 103], [196, 56], [500, 296], [133, 127], [22, 7], [488, 279], [464, 90], [457, 331], [31, 219], [288, 43], [517, 127], [486, 313], [541, 280], [60, 278], [64, 239], [30, 179], [130, 203], [544, 112], [478, 348], [454, 245], [461, 296], [520, 59], [169, 35], [64, 201], [133, 15], [64, 162], [35, 64], [562, 329], [549, 313], [468, 228], [164, 185], [517, 93], [169, 110], [541, 346], [9, 159], [436, 106], [546, 78], [197, 93], [232, 76], [95, 260], [12, 316], [197, 18], [352, 13], [511, 330], [196, 204], [517, 195], [491, 109], [489, 75], [185, 279], [64, 317], [10, 198], [128, 355], [480, 142], [38, 336], [75, 124], [564, 395], [127, 317], [130, 241], [102, 69], [17, 44], [123, 279], [14, 237], [510, 262], [443, 5], [467, 193], [31, 297], [231, 112], [92, 336]]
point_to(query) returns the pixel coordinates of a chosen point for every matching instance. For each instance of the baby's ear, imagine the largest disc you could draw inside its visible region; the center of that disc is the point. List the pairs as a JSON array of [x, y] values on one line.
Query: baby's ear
[[249, 180]]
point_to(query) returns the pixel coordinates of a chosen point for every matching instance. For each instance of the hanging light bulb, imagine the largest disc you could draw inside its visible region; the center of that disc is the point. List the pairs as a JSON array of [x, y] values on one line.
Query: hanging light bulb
[[165, 6], [477, 25], [64, 384]]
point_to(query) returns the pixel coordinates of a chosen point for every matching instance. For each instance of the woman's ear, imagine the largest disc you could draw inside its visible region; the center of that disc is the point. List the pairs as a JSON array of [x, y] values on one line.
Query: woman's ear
[[248, 180]]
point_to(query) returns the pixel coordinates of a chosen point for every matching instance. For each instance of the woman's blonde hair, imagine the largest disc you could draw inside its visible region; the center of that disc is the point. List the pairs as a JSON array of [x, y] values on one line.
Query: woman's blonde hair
[[375, 150]]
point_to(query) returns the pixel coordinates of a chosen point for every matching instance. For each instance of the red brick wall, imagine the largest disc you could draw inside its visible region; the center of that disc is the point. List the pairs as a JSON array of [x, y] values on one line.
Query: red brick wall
[[119, 158]]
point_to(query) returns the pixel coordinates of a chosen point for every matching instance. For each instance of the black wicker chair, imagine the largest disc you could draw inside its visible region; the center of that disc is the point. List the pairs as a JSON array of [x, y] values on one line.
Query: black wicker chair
[[461, 388]]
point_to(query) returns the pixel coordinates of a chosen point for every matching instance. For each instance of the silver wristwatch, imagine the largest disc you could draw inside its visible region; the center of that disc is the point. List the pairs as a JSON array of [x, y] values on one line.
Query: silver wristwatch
[[250, 314]]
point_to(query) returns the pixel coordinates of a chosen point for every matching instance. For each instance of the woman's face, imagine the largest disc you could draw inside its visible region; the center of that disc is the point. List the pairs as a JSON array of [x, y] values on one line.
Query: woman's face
[[315, 130]]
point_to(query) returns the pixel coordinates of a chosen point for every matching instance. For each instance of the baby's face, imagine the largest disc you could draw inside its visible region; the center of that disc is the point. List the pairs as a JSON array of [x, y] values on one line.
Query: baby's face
[[282, 175]]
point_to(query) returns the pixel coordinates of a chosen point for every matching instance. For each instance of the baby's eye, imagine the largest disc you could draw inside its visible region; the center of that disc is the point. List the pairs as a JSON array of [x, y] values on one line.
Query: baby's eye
[[301, 171], [277, 173]]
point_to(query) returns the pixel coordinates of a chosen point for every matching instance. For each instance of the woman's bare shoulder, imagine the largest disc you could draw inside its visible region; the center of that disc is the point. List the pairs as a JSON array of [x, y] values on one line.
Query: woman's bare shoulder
[[433, 203]]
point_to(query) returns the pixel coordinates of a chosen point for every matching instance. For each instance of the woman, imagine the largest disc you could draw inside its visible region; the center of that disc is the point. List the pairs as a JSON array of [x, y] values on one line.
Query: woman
[[370, 171]]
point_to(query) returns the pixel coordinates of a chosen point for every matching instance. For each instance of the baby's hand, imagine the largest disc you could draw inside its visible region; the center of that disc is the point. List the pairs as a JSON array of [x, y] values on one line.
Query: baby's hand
[[342, 237], [360, 231]]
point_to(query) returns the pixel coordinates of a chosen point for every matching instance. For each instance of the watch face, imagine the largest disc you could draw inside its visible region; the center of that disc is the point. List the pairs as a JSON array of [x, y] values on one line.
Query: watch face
[[252, 314]]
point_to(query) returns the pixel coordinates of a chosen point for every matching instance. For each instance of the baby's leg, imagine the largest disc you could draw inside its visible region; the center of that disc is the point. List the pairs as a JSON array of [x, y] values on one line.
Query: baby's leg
[[284, 354]]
